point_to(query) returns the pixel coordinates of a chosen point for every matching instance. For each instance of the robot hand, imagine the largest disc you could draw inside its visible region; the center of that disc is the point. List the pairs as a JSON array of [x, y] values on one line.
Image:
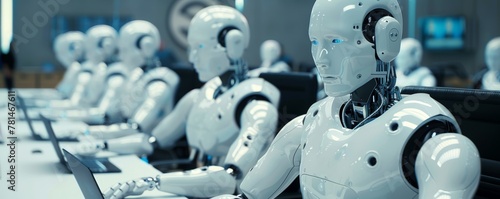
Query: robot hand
[[89, 147], [130, 188]]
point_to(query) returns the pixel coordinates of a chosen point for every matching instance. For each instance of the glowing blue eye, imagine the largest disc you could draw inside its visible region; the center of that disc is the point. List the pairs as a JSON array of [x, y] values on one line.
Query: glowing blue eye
[[336, 41], [314, 42], [201, 46]]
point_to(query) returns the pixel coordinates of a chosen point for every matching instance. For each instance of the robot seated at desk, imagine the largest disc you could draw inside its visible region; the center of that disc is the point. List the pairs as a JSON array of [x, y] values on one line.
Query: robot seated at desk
[[232, 118], [69, 51], [364, 140], [148, 91], [270, 51], [408, 68]]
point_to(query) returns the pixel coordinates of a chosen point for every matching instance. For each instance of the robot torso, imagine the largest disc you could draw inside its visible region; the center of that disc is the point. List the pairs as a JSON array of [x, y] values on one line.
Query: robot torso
[[212, 124], [364, 162]]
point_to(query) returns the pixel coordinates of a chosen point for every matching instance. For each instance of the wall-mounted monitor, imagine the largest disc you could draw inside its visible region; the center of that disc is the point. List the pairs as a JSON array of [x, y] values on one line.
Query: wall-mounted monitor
[[443, 33]]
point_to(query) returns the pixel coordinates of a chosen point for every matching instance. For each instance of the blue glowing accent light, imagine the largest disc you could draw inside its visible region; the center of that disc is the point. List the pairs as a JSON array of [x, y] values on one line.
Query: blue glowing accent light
[[336, 41], [314, 42], [201, 46]]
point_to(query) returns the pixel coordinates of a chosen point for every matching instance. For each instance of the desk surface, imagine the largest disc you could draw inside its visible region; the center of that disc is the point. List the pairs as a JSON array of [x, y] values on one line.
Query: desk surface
[[38, 175]]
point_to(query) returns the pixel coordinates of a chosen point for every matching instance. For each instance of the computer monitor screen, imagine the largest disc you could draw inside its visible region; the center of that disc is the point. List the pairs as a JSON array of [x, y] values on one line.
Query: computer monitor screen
[[443, 33]]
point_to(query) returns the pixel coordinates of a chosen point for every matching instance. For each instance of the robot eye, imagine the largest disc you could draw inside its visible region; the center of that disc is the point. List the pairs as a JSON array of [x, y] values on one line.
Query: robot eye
[[336, 41], [314, 42]]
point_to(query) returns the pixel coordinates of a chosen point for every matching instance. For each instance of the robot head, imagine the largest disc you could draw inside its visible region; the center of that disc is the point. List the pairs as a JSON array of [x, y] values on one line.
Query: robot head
[[492, 54], [69, 47], [270, 51], [350, 38], [138, 41], [410, 54], [217, 36], [100, 43]]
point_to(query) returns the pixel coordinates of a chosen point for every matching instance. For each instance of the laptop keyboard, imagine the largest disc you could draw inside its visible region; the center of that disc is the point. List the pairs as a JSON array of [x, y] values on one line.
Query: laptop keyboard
[[94, 165]]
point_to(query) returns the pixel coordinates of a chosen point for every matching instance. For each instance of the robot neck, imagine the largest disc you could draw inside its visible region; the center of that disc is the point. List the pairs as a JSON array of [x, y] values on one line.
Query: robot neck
[[371, 99], [232, 77], [150, 63]]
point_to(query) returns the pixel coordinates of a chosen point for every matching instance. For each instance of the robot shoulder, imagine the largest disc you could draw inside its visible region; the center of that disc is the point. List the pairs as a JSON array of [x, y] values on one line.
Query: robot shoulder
[[257, 88], [117, 68], [424, 110], [161, 74]]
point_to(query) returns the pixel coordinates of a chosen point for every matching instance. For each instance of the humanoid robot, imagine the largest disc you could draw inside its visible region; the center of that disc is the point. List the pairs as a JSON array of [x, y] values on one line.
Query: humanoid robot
[[270, 52], [408, 69], [100, 47], [365, 140], [149, 90], [491, 79], [231, 117], [69, 50]]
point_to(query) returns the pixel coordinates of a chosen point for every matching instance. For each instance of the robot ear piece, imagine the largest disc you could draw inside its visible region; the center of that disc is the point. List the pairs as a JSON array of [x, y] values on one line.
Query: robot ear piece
[[147, 45], [388, 33], [221, 38], [234, 44], [107, 44]]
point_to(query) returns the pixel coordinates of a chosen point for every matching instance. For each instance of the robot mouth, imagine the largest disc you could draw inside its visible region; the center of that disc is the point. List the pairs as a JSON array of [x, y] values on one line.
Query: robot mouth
[[329, 79]]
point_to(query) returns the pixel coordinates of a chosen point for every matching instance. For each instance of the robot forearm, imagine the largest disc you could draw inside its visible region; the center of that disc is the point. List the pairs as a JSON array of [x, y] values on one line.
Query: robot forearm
[[138, 144], [89, 116], [279, 166], [202, 182], [111, 131], [258, 121]]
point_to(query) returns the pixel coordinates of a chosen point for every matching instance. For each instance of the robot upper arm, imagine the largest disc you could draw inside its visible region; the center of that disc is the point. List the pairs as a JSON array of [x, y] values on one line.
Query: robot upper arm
[[280, 164]]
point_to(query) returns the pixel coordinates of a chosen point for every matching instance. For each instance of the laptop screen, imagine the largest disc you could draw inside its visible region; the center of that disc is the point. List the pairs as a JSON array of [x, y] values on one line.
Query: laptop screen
[[84, 177], [26, 116], [53, 138]]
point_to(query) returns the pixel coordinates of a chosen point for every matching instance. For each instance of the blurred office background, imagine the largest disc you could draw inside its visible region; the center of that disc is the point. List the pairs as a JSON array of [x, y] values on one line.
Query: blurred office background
[[453, 32]]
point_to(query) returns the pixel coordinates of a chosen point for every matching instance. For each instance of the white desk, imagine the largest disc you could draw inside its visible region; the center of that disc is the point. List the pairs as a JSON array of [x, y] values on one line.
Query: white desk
[[39, 176]]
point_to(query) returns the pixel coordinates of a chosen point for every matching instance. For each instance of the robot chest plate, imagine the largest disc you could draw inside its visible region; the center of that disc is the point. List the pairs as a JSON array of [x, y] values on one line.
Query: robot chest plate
[[360, 163], [211, 124]]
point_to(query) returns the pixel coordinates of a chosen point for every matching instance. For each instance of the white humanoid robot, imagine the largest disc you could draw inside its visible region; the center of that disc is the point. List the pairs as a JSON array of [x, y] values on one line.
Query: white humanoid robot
[[69, 50], [138, 90], [100, 46], [364, 140], [408, 69], [231, 117], [270, 52], [491, 79]]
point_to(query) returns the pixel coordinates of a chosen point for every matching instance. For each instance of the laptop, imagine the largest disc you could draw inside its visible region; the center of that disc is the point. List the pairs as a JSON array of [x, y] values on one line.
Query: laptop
[[34, 134], [84, 177], [97, 165]]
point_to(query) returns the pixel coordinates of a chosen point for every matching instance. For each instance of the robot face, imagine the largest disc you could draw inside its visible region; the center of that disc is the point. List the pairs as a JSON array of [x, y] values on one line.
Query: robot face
[[69, 47], [138, 41], [410, 54], [492, 54], [270, 51], [100, 43], [206, 49], [344, 57]]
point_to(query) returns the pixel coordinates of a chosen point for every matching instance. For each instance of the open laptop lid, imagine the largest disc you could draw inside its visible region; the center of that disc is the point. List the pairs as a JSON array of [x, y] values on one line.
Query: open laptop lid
[[53, 138], [84, 177], [26, 116]]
